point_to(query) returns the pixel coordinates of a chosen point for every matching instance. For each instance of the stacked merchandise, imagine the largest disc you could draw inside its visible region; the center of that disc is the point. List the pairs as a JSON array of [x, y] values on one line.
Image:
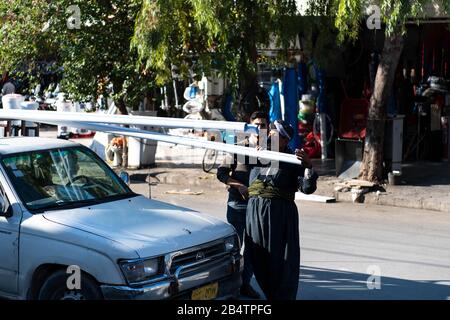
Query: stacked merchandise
[[306, 121]]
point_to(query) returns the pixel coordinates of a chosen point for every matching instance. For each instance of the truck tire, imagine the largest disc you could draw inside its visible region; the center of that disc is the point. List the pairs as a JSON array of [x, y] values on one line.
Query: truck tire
[[55, 288]]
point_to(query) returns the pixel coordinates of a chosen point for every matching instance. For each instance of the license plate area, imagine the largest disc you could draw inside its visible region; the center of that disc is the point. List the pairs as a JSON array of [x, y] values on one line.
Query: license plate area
[[207, 292]]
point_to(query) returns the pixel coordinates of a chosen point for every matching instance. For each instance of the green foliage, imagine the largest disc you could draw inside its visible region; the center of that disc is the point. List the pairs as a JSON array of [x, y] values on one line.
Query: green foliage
[[394, 14], [93, 57], [21, 39], [197, 35], [215, 33], [348, 17]]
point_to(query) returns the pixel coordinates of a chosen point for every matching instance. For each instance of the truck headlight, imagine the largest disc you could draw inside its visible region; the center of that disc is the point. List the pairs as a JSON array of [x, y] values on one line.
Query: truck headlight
[[141, 270], [232, 243]]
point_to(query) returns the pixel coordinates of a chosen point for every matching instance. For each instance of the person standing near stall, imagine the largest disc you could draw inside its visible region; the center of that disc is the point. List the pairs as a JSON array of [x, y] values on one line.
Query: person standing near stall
[[235, 174], [8, 87], [272, 226]]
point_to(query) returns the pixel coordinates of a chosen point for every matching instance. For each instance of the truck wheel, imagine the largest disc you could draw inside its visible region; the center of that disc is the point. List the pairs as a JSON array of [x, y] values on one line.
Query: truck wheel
[[55, 288]]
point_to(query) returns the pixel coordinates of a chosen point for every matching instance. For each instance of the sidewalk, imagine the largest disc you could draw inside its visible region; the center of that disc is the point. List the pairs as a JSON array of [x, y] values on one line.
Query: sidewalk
[[423, 185]]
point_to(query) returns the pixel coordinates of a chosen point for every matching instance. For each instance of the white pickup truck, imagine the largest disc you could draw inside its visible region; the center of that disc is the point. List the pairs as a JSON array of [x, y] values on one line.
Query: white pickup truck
[[62, 209]]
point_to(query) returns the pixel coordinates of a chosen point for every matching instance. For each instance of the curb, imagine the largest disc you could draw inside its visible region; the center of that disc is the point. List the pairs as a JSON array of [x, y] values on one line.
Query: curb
[[209, 180], [432, 204]]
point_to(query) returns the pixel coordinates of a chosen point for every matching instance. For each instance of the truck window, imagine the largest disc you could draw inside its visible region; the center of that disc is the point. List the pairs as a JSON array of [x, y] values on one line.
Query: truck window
[[53, 179]]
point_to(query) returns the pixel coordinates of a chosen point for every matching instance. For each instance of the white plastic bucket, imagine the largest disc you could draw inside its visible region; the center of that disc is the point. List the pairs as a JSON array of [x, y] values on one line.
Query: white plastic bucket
[[11, 102]]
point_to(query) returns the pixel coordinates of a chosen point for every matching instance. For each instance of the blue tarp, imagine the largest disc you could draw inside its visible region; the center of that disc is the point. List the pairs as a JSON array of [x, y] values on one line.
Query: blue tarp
[[290, 92], [226, 110], [275, 102]]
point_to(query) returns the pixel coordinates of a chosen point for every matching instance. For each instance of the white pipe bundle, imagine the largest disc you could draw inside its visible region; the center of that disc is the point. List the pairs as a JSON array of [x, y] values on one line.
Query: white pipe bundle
[[136, 133], [40, 116]]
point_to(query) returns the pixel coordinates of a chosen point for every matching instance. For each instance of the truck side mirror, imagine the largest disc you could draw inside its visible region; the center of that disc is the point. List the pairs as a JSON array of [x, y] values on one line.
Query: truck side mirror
[[125, 177], [5, 208]]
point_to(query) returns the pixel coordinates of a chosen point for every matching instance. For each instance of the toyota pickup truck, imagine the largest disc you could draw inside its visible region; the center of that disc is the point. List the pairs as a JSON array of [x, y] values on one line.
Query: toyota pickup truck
[[64, 214]]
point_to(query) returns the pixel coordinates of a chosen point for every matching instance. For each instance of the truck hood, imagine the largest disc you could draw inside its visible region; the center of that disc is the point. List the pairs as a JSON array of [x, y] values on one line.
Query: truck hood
[[147, 226]]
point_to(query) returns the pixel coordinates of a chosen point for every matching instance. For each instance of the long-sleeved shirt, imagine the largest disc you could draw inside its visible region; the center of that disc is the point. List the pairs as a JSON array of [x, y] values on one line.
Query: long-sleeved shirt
[[231, 167]]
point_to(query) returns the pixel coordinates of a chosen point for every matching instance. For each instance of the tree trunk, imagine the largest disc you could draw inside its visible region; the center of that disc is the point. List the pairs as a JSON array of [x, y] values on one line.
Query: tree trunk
[[372, 164], [148, 105], [120, 104], [247, 96], [248, 84]]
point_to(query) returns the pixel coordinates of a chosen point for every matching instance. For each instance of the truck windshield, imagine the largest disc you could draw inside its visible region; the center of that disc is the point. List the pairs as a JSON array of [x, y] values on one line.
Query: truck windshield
[[62, 178]]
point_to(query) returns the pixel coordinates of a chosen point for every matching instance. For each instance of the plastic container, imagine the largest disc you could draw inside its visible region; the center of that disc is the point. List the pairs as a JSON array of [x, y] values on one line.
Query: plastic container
[[394, 178], [11, 102], [142, 152]]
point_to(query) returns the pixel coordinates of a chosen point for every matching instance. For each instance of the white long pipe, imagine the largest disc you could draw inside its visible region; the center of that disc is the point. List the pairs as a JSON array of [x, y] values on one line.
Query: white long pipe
[[219, 146], [40, 116], [136, 133]]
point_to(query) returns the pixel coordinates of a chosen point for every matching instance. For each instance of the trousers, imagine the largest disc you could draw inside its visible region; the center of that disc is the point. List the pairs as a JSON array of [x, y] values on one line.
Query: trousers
[[272, 234], [236, 216]]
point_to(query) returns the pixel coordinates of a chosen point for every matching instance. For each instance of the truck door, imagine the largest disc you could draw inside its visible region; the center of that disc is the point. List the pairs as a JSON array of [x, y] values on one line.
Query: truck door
[[9, 245]]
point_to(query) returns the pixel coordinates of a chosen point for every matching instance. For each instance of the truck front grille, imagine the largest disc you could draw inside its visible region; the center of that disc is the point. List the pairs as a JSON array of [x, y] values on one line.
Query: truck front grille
[[196, 255]]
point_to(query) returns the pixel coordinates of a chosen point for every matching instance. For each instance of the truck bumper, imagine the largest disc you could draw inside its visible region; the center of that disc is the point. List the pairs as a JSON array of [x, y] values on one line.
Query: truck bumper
[[225, 271]]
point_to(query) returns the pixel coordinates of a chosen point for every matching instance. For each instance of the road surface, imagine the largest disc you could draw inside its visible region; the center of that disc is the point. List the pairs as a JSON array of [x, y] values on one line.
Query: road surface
[[347, 249]]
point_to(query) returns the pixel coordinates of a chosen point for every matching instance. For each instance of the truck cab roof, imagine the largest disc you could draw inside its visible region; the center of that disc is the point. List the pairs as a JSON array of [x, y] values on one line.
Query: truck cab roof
[[24, 144]]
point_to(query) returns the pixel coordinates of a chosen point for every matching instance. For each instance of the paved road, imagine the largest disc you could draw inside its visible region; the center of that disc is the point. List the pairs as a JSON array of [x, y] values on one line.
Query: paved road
[[343, 244]]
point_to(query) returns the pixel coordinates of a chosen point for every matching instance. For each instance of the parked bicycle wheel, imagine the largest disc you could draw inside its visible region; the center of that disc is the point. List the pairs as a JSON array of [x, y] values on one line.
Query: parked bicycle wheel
[[209, 160]]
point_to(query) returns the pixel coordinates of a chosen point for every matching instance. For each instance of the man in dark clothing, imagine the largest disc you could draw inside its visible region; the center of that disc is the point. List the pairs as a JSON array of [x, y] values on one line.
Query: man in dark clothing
[[235, 174], [272, 228]]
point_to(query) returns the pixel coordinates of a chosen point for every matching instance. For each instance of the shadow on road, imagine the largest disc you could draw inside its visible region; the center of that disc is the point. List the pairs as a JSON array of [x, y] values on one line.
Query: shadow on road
[[328, 284]]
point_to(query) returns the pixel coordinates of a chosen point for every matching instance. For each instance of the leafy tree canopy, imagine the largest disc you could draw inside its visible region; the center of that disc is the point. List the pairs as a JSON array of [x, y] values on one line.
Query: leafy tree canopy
[[393, 14], [88, 40], [219, 34]]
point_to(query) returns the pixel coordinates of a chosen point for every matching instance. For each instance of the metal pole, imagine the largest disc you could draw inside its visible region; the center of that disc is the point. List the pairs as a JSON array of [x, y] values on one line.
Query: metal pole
[[229, 148], [323, 135], [42, 116]]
